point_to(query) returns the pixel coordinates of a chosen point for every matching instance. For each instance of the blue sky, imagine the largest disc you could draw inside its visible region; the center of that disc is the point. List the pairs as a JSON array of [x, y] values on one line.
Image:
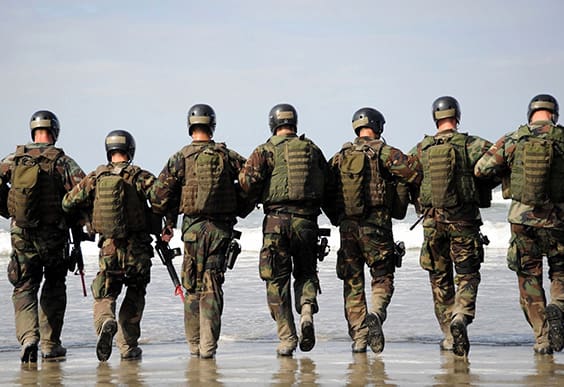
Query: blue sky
[[139, 66]]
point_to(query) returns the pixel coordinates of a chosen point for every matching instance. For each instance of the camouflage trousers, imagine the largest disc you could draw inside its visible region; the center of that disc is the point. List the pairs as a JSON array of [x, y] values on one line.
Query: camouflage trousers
[[38, 254], [446, 245], [205, 245], [122, 263], [525, 257], [374, 246], [289, 247]]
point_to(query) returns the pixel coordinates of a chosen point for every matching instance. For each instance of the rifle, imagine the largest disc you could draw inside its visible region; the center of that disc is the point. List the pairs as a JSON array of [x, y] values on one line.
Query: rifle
[[322, 243], [420, 219], [76, 258], [166, 254], [233, 250]]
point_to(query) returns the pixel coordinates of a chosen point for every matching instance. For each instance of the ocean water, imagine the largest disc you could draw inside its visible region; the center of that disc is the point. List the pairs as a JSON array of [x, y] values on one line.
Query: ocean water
[[499, 320]]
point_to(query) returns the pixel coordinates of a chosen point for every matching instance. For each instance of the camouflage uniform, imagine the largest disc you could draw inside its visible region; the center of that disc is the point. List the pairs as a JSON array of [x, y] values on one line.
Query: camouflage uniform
[[41, 252], [536, 230], [122, 261], [206, 238], [368, 239], [452, 237], [290, 233]]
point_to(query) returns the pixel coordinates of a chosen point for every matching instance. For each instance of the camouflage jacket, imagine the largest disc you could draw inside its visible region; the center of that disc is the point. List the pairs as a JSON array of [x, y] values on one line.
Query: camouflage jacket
[[166, 193], [498, 161], [81, 197], [398, 168], [256, 174], [465, 212], [68, 170]]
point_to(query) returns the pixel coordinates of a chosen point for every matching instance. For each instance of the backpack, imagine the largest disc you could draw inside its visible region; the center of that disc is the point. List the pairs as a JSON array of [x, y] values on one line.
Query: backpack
[[538, 167], [118, 209], [448, 178], [209, 182], [35, 193], [362, 184]]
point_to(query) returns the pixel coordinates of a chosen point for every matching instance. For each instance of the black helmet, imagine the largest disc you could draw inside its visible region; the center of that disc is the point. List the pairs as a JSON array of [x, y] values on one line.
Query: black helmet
[[282, 114], [368, 118], [543, 102], [446, 107], [120, 140], [44, 119], [201, 114]]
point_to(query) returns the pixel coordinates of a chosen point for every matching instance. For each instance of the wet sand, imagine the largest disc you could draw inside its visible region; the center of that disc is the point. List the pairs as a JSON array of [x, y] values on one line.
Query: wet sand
[[330, 363]]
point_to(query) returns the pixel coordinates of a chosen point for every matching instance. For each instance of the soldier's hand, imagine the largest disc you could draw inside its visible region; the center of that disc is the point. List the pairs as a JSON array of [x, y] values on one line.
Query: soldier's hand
[[167, 234]]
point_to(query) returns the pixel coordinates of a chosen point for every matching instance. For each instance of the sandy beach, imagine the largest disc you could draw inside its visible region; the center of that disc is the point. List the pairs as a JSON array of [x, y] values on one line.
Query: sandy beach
[[330, 363]]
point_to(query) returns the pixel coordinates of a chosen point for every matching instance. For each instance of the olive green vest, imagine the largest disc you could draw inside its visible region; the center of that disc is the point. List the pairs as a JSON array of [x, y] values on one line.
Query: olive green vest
[[119, 210], [36, 189], [209, 187], [297, 174], [448, 177], [362, 185], [537, 171]]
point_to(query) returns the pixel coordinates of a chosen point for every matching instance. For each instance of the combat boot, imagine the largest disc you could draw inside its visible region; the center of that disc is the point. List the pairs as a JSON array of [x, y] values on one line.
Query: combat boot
[[555, 327], [134, 353], [375, 334], [57, 353], [28, 353], [285, 349], [104, 344], [358, 347], [461, 345], [307, 337], [542, 347]]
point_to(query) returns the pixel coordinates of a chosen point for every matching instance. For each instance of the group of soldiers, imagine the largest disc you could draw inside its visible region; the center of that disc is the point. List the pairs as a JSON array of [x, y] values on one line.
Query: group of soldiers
[[448, 176]]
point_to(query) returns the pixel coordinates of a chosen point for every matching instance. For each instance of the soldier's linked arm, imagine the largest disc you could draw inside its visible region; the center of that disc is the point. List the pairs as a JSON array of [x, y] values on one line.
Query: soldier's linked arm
[[253, 173], [493, 163], [164, 194], [80, 196]]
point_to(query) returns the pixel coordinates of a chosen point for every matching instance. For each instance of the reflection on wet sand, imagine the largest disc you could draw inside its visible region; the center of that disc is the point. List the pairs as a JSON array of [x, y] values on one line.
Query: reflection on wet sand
[[455, 371], [203, 372], [365, 369], [128, 373], [50, 374], [255, 364]]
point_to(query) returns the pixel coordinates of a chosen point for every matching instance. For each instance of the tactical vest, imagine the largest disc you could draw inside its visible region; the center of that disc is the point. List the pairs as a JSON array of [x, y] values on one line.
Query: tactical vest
[[448, 177], [209, 187], [537, 171], [297, 174], [362, 184], [119, 209], [36, 189]]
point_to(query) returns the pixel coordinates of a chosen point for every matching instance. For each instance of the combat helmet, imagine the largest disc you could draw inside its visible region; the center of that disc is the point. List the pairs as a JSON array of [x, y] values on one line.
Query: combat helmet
[[282, 114], [543, 102], [44, 119], [445, 107], [368, 118], [120, 140], [201, 114]]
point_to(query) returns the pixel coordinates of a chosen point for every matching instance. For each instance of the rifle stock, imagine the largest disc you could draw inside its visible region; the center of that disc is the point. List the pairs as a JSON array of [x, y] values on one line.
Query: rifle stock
[[166, 254]]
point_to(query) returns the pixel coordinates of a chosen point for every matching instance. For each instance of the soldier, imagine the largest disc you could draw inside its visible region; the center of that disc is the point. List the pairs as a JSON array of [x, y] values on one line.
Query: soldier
[[531, 162], [116, 195], [449, 200], [200, 182], [39, 175], [288, 176], [371, 180]]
